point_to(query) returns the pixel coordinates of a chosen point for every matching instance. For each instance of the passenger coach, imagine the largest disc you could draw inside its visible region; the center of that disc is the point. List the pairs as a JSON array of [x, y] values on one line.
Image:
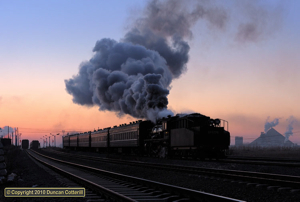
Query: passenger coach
[[129, 138]]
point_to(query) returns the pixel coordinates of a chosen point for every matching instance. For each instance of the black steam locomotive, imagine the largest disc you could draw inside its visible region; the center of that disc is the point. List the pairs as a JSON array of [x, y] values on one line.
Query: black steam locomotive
[[192, 135]]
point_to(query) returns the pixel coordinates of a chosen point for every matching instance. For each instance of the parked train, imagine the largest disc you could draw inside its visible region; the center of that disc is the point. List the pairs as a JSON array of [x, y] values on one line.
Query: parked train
[[34, 144], [25, 144], [192, 135]]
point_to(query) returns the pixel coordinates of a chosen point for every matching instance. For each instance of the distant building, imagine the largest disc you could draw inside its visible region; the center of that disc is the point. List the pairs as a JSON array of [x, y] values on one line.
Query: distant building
[[6, 141], [238, 141], [270, 139]]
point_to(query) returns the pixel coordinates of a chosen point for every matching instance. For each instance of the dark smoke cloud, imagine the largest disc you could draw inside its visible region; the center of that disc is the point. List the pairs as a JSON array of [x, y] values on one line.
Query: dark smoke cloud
[[271, 124], [289, 129], [122, 77], [133, 76]]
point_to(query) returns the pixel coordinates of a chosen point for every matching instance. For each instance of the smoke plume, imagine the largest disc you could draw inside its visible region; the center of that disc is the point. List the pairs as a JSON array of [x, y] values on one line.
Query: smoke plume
[[289, 129], [133, 76], [258, 22], [271, 124]]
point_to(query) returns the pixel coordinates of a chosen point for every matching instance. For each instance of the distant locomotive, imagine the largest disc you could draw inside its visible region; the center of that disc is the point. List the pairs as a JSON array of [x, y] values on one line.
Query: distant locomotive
[[34, 144], [25, 144], [192, 135]]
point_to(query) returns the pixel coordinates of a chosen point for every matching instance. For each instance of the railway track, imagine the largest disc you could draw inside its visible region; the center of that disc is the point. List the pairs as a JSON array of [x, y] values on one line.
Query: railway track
[[254, 178], [263, 161], [123, 187]]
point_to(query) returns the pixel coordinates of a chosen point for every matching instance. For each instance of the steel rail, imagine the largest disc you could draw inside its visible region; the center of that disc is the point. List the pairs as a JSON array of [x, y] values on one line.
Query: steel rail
[[193, 195], [86, 183], [263, 178]]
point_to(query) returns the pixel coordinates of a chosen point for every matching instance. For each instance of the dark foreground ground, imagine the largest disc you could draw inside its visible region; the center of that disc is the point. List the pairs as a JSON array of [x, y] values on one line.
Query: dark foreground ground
[[28, 175]]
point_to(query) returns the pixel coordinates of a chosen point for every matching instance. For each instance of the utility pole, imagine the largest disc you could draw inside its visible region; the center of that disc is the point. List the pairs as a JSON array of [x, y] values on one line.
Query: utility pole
[[55, 137], [16, 137], [49, 140], [20, 135], [46, 141]]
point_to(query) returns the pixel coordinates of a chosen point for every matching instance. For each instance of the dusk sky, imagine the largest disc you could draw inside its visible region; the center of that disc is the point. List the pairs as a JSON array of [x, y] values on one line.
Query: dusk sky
[[242, 77]]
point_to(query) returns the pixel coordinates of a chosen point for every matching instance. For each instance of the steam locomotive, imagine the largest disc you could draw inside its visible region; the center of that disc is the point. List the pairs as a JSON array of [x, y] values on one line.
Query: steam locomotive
[[192, 135]]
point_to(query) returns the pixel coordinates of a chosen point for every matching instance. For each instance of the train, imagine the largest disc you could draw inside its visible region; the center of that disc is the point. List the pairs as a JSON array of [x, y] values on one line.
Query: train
[[25, 144], [184, 135], [34, 144]]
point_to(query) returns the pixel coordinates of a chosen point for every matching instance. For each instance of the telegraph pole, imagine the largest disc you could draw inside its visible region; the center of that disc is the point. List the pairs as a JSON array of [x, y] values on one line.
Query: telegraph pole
[[12, 138], [20, 138], [46, 141], [17, 132]]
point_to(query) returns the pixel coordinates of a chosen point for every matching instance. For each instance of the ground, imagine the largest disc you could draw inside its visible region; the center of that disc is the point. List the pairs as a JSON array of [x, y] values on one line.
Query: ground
[[28, 175]]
